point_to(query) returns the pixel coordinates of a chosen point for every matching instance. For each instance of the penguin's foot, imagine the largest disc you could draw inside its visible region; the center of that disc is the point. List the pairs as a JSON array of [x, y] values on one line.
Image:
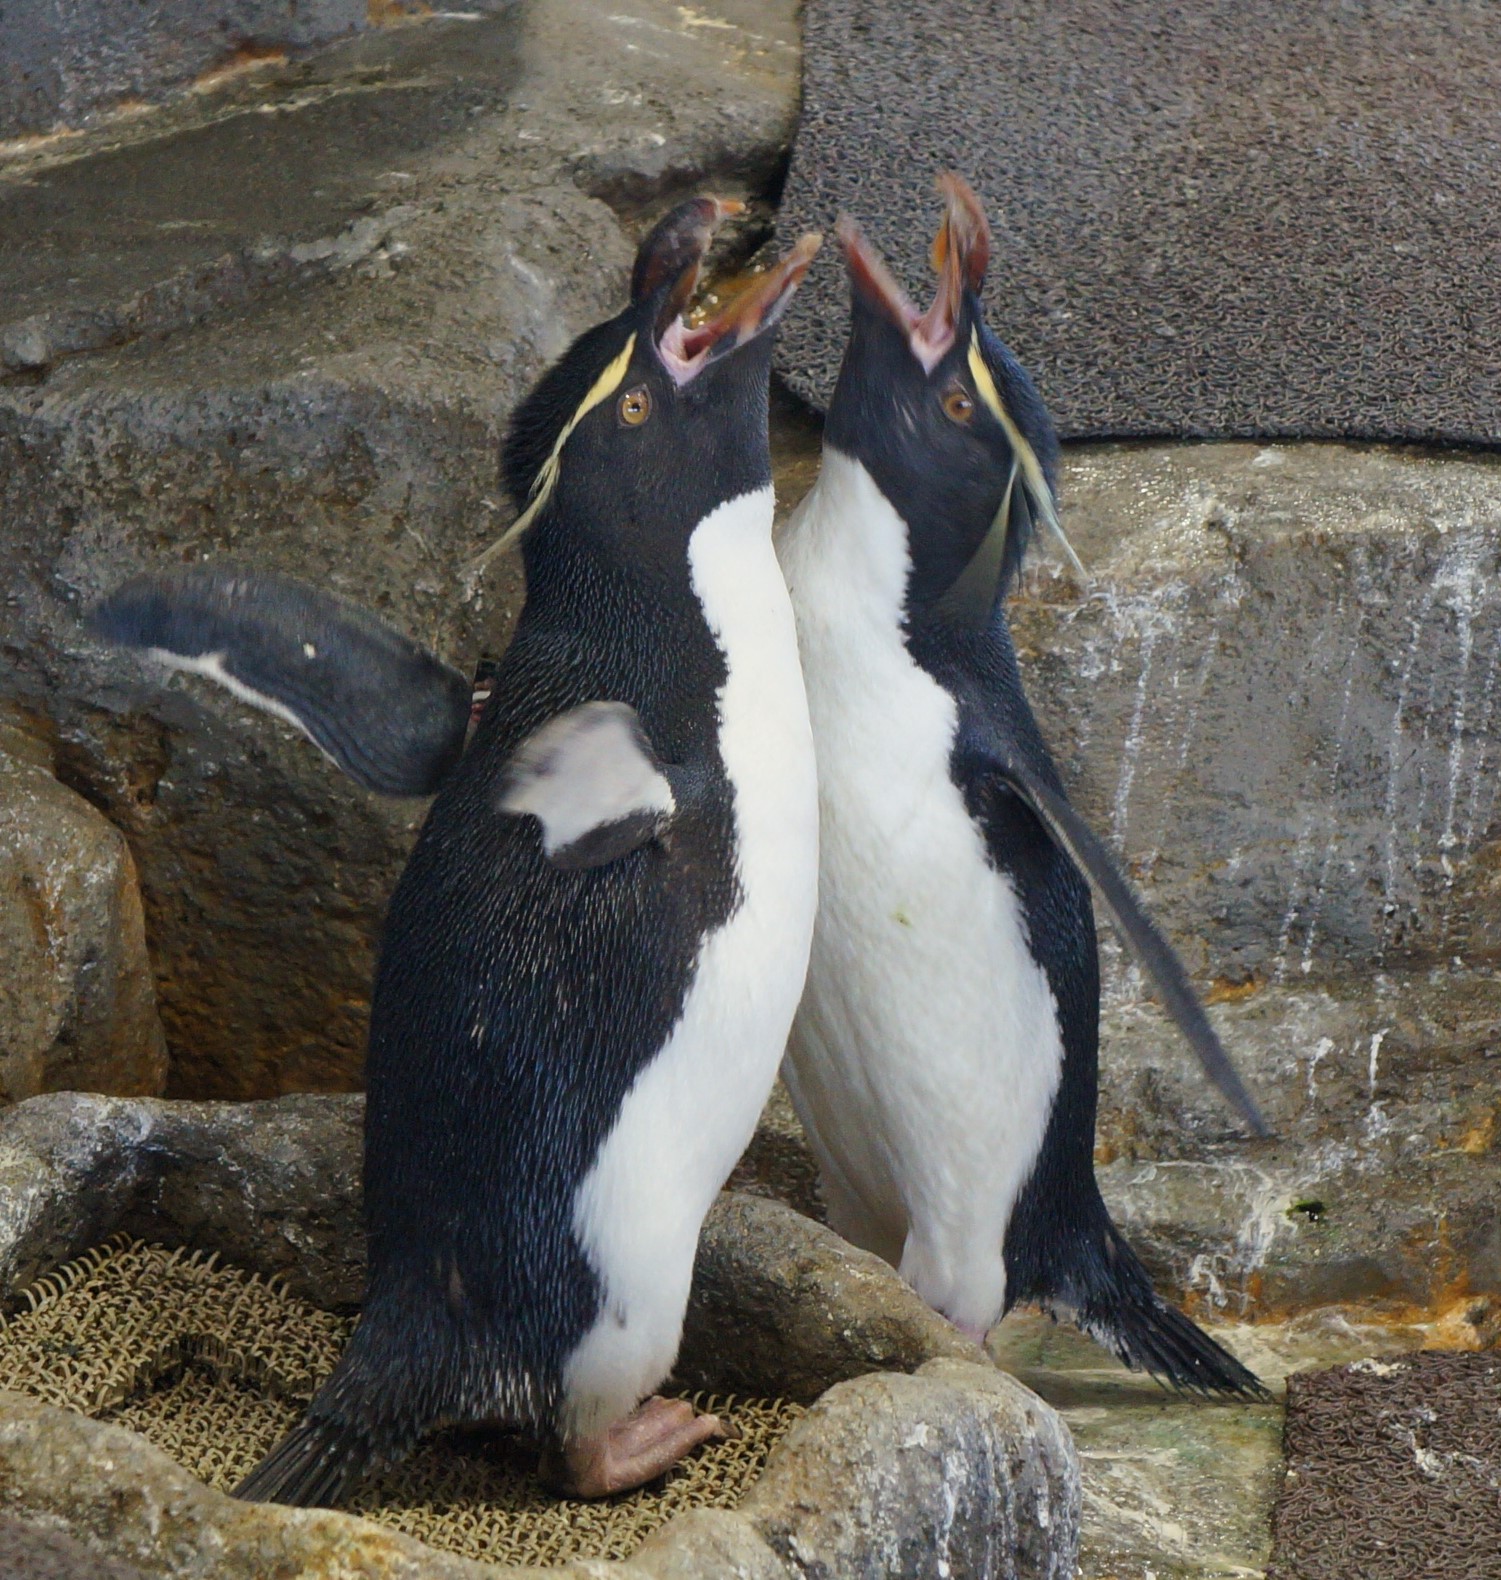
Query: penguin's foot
[[651, 1440]]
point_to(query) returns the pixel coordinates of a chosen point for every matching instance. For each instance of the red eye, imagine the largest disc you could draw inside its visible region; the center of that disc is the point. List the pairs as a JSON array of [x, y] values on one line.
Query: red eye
[[957, 406]]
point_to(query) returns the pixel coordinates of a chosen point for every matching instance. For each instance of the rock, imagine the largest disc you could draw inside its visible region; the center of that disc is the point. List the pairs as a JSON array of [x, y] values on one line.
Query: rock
[[1175, 1486], [1223, 701], [77, 1004], [701, 1543], [274, 1186], [60, 65], [778, 1162], [1010, 1512], [134, 1505], [887, 1473], [776, 1295], [1277, 698], [283, 323], [32, 1552]]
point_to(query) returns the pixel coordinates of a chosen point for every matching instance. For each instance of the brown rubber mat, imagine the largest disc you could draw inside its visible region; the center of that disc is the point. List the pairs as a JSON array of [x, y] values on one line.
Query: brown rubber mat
[[1211, 217], [212, 1365], [1392, 1472]]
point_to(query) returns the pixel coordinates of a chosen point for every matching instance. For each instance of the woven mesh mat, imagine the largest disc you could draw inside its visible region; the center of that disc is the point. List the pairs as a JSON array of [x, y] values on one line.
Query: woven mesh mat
[[212, 1365], [1211, 217], [1393, 1472]]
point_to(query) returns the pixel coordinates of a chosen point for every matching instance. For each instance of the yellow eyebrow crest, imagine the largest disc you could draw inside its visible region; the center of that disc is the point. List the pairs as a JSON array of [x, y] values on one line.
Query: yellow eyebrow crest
[[547, 474], [1034, 479]]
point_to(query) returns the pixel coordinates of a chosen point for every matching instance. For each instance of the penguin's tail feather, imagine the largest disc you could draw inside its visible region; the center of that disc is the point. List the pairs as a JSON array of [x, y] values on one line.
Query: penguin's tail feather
[[316, 1465], [1118, 1308]]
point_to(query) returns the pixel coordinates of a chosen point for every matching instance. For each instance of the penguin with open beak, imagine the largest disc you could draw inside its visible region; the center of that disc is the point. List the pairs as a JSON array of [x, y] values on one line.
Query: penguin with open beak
[[944, 1061], [592, 959]]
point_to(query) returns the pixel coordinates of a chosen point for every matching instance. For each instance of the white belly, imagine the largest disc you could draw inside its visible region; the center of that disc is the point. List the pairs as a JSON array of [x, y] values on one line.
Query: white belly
[[926, 1053], [691, 1112]]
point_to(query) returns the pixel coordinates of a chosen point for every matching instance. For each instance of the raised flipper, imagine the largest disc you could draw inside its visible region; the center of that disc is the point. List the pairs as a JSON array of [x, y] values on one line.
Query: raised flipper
[[592, 780], [1074, 837], [388, 712]]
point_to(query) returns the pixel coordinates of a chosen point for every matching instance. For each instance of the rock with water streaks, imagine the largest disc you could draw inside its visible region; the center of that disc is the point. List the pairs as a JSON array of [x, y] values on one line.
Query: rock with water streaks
[[1277, 699]]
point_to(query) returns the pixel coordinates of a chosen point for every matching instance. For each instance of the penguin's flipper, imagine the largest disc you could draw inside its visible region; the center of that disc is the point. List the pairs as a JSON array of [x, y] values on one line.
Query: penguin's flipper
[[592, 780], [388, 712], [315, 1466], [1074, 837]]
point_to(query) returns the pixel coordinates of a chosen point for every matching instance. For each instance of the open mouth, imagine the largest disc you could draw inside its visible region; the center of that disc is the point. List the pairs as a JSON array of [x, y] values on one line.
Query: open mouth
[[675, 252], [961, 252]]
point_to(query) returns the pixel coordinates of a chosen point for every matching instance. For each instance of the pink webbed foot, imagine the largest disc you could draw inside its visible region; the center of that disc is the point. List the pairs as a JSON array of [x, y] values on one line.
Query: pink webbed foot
[[652, 1439]]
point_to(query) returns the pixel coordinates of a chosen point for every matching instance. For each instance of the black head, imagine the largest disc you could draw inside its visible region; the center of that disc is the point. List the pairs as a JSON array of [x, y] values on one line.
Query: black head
[[945, 419], [648, 422]]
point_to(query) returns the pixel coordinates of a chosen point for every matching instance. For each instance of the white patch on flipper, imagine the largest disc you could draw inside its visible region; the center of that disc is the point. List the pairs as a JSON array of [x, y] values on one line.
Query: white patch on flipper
[[927, 1053], [586, 768], [692, 1110], [211, 667]]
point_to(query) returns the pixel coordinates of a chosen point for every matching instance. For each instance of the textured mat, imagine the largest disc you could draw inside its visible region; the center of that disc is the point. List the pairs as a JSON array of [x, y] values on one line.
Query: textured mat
[[1393, 1472], [1211, 217], [212, 1365]]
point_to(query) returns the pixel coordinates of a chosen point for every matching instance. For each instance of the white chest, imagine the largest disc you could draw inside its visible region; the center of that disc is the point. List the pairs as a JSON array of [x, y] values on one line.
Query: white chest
[[693, 1109], [926, 1053]]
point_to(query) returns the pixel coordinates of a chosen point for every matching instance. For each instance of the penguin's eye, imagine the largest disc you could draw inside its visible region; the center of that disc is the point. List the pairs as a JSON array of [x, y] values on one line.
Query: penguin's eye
[[635, 406], [957, 406]]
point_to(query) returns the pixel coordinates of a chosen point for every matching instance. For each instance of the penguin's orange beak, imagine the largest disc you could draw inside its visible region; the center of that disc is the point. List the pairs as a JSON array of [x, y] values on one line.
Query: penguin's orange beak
[[750, 312], [960, 256], [673, 253]]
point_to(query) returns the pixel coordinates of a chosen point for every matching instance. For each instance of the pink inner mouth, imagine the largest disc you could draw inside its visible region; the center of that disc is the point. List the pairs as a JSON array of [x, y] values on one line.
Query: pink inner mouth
[[685, 350], [961, 250]]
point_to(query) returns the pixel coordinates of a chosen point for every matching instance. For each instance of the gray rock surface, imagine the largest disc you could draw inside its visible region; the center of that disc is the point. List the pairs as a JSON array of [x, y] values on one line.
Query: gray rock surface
[[776, 1295], [61, 64], [77, 1003], [1277, 700], [33, 1552], [957, 1469], [1013, 1515], [275, 1186], [1278, 697], [283, 323], [128, 1502]]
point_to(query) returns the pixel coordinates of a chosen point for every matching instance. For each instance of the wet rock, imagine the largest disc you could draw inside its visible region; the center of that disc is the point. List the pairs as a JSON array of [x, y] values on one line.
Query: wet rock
[[1173, 1486], [1380, 1187], [77, 1004], [1277, 698], [283, 324]]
